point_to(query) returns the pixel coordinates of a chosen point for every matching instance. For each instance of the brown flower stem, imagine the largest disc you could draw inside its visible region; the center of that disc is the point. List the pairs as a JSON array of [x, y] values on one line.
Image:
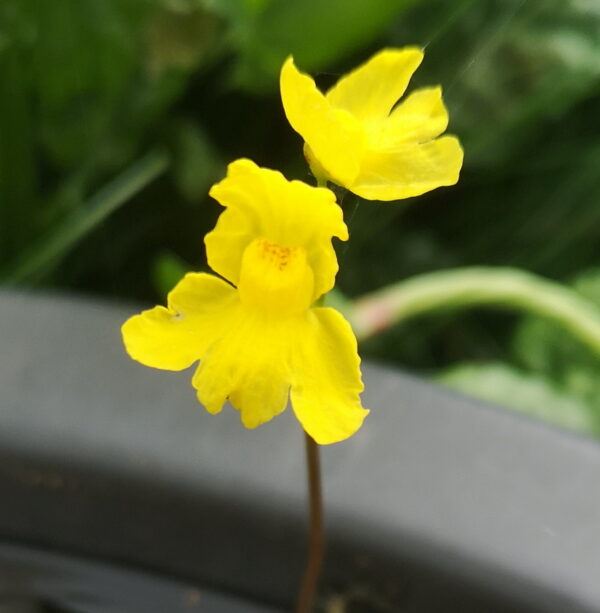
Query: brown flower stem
[[316, 541]]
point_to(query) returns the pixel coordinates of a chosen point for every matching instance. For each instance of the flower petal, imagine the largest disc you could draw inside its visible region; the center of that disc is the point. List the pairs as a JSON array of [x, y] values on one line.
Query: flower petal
[[326, 381], [250, 366], [370, 91], [335, 138], [262, 203], [173, 338], [420, 118], [409, 169]]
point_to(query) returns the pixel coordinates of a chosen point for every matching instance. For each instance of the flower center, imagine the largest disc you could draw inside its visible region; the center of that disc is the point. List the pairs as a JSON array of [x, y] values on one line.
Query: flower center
[[274, 279]]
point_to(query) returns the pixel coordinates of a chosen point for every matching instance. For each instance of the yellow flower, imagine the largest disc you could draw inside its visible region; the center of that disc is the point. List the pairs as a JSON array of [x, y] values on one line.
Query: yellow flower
[[356, 136], [263, 339]]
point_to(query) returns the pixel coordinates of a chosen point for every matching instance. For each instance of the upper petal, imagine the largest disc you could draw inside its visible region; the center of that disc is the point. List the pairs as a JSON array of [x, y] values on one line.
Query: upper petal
[[334, 136], [262, 203], [370, 91], [173, 338], [326, 381], [419, 118], [410, 169]]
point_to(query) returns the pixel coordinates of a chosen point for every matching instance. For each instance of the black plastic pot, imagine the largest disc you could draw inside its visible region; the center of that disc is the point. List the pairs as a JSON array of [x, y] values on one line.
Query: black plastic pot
[[119, 493]]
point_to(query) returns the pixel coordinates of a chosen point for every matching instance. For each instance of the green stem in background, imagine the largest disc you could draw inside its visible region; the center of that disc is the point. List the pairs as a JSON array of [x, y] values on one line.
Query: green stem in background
[[316, 540], [76, 225], [470, 287]]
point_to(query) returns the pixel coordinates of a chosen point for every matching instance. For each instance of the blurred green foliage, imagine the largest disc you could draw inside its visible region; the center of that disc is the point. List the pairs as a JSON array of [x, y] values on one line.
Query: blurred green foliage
[[535, 395], [117, 115], [547, 373]]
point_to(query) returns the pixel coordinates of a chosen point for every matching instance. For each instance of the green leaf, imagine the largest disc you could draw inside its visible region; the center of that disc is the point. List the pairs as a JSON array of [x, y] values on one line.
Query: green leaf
[[96, 45], [19, 202], [180, 36], [316, 33], [531, 394], [196, 163], [84, 219], [167, 271]]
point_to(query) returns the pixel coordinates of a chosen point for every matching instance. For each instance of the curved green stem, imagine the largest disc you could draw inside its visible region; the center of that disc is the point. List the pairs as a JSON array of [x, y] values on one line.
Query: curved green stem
[[470, 287]]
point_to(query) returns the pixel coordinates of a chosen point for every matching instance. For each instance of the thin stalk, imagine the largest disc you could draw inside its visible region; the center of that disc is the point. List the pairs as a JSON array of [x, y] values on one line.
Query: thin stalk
[[471, 287], [316, 540]]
